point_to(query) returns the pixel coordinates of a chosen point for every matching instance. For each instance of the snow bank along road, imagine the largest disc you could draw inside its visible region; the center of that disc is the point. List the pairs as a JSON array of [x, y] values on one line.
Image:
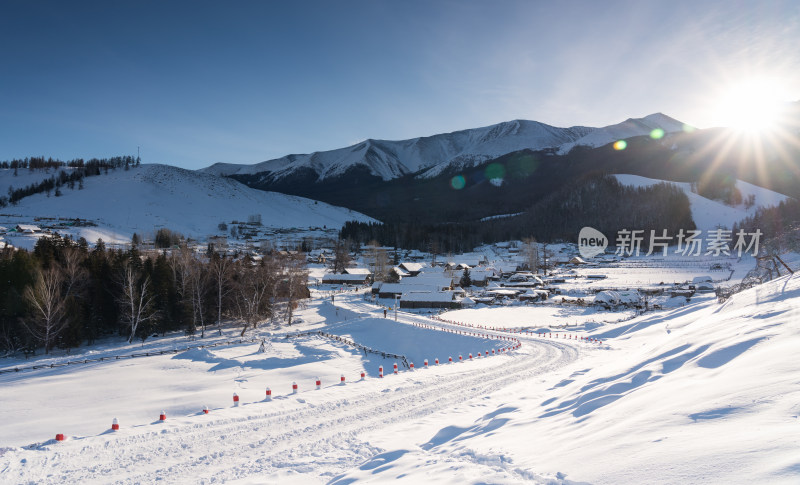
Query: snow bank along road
[[309, 436]]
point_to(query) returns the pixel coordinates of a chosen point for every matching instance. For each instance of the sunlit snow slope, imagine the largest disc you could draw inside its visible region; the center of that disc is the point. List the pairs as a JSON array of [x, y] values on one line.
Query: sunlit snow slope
[[151, 196], [708, 214]]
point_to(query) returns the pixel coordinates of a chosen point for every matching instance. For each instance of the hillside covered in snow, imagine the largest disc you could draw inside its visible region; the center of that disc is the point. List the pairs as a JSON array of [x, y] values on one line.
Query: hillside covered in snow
[[708, 214], [145, 198]]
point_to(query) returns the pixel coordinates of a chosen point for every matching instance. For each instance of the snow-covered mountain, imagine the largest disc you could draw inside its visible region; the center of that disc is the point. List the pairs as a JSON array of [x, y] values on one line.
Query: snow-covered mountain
[[152, 196], [460, 149]]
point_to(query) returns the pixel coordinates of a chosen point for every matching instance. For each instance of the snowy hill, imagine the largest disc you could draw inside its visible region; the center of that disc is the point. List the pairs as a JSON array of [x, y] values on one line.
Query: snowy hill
[[708, 214], [151, 196], [391, 159]]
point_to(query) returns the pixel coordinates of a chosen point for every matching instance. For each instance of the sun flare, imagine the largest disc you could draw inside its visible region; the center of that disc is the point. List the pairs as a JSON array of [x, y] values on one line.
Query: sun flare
[[753, 105]]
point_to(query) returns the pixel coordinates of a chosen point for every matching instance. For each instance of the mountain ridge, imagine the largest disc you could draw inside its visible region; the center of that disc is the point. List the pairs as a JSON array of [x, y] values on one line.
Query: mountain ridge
[[431, 155]]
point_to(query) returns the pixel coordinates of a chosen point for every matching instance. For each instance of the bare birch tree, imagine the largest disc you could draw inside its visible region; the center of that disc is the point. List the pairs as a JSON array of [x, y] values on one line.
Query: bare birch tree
[[136, 302], [199, 282], [530, 251], [252, 287], [47, 301], [296, 277], [74, 273], [220, 270]]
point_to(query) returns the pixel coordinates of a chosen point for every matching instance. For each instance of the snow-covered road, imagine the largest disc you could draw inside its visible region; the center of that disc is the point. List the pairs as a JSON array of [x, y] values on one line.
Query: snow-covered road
[[312, 436]]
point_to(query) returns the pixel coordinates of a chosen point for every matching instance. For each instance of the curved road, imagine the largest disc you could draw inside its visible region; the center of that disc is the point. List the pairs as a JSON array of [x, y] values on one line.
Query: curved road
[[315, 434]]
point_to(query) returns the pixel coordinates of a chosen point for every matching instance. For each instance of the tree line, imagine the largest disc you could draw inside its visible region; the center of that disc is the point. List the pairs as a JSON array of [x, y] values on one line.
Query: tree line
[[780, 226], [64, 293], [594, 200], [78, 170]]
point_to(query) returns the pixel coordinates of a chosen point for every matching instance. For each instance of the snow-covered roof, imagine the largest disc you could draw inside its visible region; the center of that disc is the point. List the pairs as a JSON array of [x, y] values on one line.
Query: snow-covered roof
[[28, 228], [428, 296], [358, 271], [480, 274], [617, 297], [412, 267], [404, 287], [344, 277], [400, 271], [438, 279], [503, 292]]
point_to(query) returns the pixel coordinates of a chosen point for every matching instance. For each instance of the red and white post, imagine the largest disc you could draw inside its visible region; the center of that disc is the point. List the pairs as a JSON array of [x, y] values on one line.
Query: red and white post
[[114, 425], [235, 400], [269, 394], [319, 383], [294, 388]]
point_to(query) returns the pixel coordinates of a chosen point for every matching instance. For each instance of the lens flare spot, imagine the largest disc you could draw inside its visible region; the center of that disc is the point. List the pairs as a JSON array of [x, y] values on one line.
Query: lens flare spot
[[458, 182], [688, 128], [657, 134], [495, 171], [620, 145]]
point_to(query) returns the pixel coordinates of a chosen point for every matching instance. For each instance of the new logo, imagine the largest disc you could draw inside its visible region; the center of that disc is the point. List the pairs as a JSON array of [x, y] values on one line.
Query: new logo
[[591, 242]]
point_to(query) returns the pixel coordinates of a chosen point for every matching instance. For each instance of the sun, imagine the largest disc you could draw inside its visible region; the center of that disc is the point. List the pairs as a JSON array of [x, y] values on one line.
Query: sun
[[752, 105]]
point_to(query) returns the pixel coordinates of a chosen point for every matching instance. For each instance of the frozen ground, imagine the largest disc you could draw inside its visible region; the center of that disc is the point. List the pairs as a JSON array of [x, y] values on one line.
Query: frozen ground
[[703, 393]]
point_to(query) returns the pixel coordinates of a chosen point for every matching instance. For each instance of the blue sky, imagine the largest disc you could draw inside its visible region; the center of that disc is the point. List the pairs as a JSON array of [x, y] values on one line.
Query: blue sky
[[193, 83]]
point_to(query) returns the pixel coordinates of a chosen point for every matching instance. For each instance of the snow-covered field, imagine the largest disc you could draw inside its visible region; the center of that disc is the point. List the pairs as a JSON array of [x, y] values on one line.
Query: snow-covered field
[[703, 393]]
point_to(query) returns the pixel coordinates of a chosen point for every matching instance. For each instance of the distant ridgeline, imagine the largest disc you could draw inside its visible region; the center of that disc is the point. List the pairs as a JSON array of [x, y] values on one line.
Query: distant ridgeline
[[547, 194], [70, 174]]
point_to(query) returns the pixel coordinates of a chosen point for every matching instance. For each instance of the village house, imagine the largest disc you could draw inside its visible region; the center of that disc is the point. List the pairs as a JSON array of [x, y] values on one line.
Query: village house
[[346, 279], [432, 299], [413, 269], [27, 228]]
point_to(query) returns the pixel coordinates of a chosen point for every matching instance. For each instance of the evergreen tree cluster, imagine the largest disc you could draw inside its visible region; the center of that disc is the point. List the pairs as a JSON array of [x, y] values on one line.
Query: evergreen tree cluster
[[64, 293], [779, 226], [595, 200], [70, 174]]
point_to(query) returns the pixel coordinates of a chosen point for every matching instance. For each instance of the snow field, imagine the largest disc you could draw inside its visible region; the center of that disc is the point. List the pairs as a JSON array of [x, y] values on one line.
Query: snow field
[[312, 434], [183, 383], [702, 393]]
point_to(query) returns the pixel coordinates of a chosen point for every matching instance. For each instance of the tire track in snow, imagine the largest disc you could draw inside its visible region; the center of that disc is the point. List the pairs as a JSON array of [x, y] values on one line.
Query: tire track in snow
[[319, 439]]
